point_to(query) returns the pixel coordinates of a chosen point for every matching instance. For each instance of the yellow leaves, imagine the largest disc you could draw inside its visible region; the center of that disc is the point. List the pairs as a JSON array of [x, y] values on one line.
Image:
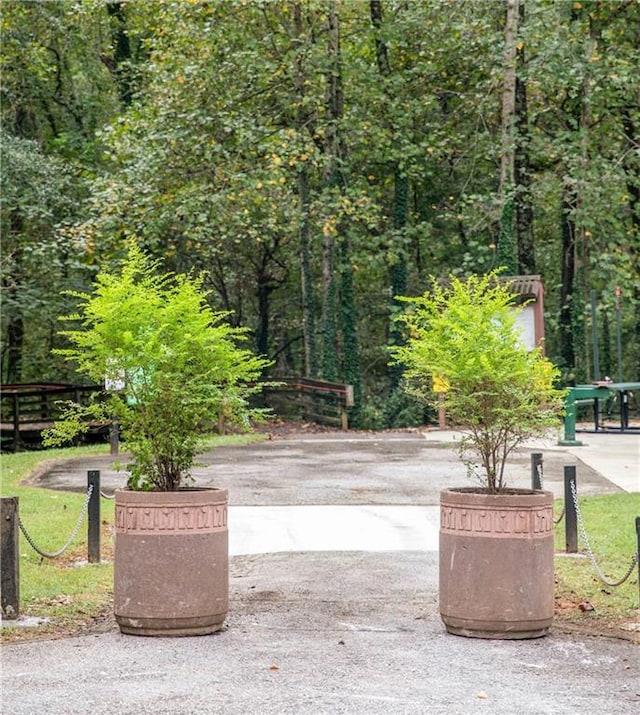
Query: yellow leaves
[[181, 80], [277, 160], [329, 228], [440, 384]]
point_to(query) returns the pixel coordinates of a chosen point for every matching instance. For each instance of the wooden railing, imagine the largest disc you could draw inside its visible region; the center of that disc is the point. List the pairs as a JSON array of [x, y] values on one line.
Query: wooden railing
[[27, 409], [311, 399]]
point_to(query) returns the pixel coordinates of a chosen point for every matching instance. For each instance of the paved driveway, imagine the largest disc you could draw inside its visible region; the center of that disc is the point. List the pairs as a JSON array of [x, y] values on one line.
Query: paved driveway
[[327, 628]]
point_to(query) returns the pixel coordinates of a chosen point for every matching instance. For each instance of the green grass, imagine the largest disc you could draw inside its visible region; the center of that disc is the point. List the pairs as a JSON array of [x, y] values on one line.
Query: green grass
[[70, 595], [609, 521], [67, 590]]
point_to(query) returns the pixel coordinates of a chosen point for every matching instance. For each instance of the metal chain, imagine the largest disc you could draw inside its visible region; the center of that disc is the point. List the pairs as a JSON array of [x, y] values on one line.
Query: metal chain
[[74, 533], [592, 558], [107, 496], [540, 473]]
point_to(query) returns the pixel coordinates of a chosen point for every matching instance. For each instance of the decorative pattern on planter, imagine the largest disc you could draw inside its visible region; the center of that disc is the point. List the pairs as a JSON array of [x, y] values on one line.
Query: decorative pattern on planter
[[171, 518], [506, 523]]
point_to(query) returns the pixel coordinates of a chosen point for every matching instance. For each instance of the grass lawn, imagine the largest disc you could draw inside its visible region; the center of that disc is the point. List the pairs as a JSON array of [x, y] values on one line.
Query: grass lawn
[[76, 596], [582, 599], [66, 590]]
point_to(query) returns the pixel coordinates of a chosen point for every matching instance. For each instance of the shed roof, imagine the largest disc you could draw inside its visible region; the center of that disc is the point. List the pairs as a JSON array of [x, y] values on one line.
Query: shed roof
[[525, 286]]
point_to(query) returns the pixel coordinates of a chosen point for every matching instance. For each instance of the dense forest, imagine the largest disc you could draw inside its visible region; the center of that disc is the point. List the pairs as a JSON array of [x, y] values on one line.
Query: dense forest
[[319, 158]]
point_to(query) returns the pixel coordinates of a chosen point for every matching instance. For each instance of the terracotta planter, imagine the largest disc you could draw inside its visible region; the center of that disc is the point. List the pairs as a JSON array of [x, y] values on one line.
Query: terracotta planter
[[171, 564], [496, 563]]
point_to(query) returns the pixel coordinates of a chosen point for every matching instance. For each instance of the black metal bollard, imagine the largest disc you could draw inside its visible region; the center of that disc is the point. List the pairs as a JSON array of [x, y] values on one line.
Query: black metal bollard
[[10, 554], [570, 514], [536, 470], [93, 512]]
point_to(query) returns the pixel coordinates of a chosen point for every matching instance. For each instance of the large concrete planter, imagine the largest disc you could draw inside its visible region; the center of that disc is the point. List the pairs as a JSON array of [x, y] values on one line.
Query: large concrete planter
[[496, 563], [171, 565]]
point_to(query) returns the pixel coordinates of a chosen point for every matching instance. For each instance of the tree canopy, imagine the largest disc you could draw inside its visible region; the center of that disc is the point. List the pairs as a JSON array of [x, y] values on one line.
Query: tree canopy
[[317, 158]]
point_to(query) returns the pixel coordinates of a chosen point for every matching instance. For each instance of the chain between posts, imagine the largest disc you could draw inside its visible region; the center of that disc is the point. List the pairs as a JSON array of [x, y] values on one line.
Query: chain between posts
[[560, 518], [71, 538], [539, 477], [585, 538]]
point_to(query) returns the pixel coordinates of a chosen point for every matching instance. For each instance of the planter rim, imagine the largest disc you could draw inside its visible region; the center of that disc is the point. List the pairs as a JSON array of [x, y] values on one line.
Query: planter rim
[[180, 496], [481, 495], [171, 491]]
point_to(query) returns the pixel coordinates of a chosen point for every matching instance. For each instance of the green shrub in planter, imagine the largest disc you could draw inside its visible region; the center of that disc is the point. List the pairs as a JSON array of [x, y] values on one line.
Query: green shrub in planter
[[179, 365], [465, 336]]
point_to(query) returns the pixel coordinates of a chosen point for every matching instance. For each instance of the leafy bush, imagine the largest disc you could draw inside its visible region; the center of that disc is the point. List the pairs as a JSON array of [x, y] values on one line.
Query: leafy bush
[[465, 336], [176, 363]]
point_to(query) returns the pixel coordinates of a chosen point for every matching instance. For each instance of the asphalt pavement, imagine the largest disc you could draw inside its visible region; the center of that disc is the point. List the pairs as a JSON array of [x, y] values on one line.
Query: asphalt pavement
[[333, 597]]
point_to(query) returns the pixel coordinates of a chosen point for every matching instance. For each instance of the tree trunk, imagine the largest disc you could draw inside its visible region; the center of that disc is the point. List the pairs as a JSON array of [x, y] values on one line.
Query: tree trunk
[[632, 169], [12, 357], [522, 169], [121, 67], [398, 269], [568, 269], [262, 333], [401, 188], [310, 359], [506, 241], [332, 179], [306, 278], [15, 341], [509, 98]]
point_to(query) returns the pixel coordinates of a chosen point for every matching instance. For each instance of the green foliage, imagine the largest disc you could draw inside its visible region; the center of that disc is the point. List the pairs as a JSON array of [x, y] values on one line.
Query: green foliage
[[402, 409], [39, 197], [177, 361], [198, 137], [466, 336]]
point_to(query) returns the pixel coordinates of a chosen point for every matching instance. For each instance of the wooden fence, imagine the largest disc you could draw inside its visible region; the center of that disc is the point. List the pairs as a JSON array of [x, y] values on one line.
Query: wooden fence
[[27, 409], [312, 400]]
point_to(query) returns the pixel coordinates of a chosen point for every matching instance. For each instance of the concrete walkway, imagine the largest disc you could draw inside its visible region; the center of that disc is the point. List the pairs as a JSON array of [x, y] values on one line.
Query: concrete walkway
[[272, 529], [614, 455]]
